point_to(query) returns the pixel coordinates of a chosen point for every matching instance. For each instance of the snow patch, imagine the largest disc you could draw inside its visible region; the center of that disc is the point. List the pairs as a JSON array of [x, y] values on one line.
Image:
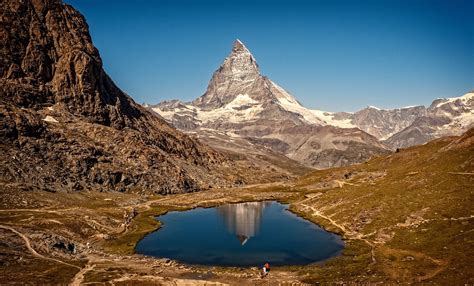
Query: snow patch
[[230, 111], [168, 115], [241, 100], [328, 117], [463, 99], [464, 120], [232, 134]]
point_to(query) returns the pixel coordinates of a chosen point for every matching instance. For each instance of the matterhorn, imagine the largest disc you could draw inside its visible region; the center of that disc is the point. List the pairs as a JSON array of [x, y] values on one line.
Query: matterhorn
[[242, 105]]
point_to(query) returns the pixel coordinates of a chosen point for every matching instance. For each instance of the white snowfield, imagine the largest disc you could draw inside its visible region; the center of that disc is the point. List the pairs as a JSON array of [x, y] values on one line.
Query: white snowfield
[[241, 109], [245, 109], [458, 109], [462, 118], [464, 99]]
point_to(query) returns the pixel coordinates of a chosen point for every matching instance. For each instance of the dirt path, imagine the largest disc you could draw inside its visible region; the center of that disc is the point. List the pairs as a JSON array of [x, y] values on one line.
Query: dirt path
[[134, 279], [33, 252], [79, 277], [347, 233]]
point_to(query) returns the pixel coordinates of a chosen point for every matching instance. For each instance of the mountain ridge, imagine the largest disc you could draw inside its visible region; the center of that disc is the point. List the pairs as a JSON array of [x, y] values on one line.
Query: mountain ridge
[[444, 117], [234, 97]]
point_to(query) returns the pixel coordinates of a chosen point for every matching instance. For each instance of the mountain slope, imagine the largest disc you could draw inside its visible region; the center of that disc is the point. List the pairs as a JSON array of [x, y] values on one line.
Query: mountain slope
[[406, 217], [67, 126], [245, 104]]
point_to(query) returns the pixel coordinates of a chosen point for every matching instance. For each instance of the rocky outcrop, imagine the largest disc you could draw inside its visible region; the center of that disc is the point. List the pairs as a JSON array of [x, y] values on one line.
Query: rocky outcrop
[[48, 58], [65, 125]]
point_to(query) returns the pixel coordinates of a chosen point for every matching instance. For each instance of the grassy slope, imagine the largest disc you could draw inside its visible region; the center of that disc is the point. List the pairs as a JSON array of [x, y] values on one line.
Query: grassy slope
[[409, 206]]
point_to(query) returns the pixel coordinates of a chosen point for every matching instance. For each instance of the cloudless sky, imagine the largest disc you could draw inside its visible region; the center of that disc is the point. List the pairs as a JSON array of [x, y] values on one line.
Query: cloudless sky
[[335, 55]]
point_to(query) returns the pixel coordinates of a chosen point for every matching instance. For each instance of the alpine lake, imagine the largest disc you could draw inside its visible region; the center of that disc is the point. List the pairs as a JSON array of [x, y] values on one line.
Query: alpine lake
[[241, 234]]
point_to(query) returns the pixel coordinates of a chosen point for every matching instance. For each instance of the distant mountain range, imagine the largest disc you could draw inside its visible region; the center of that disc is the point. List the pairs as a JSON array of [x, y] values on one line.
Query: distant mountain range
[[414, 125], [242, 103]]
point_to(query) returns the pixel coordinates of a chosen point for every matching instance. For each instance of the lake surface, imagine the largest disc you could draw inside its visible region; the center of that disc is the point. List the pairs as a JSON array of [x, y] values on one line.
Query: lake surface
[[243, 234]]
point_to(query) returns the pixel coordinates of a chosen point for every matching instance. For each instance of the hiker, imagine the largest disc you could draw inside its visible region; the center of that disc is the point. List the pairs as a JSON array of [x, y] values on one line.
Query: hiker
[[265, 269]]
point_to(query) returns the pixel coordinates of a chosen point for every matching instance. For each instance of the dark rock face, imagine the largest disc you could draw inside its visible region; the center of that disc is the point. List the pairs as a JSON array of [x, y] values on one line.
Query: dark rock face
[[66, 126], [48, 52]]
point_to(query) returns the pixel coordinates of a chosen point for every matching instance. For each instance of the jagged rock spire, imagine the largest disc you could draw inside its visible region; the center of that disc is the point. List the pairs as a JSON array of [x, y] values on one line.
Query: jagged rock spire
[[239, 47], [239, 69], [239, 61]]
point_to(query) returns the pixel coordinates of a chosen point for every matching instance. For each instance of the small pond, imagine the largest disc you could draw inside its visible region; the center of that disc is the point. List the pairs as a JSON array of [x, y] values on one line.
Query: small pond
[[243, 234]]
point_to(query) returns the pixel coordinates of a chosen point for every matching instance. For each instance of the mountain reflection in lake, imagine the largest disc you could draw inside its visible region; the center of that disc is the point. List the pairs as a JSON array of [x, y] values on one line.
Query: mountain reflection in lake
[[265, 231], [243, 219]]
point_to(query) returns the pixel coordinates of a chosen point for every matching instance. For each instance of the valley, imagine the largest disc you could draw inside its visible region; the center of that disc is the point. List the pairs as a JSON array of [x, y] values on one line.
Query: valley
[[402, 221]]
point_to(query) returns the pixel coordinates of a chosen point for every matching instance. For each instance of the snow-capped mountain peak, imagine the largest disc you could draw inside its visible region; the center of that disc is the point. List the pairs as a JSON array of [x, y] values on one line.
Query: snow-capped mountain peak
[[239, 47], [264, 116], [239, 75], [236, 75], [241, 101], [239, 62]]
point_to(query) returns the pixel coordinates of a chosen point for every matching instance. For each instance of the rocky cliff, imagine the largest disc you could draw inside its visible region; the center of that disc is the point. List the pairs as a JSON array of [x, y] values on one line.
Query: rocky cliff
[[65, 125]]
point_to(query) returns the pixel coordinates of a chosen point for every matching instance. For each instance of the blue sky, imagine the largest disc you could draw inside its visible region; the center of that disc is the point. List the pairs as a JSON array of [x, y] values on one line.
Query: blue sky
[[331, 55]]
